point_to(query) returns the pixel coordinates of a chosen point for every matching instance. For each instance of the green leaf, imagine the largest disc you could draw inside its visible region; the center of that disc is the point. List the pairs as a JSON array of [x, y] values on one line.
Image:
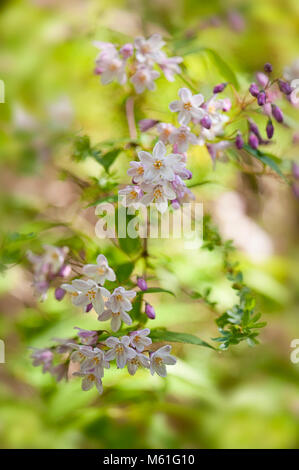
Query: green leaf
[[111, 198], [107, 158], [124, 271], [152, 290], [265, 159], [222, 67], [160, 334]]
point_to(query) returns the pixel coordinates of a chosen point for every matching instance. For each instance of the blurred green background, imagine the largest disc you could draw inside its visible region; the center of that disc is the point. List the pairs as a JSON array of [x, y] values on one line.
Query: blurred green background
[[244, 398]]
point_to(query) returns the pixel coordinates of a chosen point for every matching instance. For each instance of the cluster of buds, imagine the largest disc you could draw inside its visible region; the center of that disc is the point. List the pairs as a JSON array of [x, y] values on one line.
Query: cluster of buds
[[48, 266], [136, 61]]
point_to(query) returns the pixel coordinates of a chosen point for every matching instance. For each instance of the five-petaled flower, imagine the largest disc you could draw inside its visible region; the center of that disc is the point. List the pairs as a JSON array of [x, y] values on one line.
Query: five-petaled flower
[[159, 359], [188, 106], [95, 361], [87, 292], [120, 300], [90, 379], [139, 339], [100, 272], [139, 360], [120, 350], [116, 318], [158, 166]]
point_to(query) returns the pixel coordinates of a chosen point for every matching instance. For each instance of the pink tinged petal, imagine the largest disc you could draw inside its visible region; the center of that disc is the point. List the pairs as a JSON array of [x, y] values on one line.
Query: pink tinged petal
[[169, 360], [87, 384], [121, 359], [115, 323], [145, 157], [130, 353], [197, 113], [101, 259], [197, 100], [99, 386], [111, 341], [98, 303], [106, 315], [184, 117], [159, 150], [175, 106], [110, 276], [161, 370], [126, 318], [185, 95], [90, 269], [131, 294], [125, 340], [110, 355], [80, 301], [132, 368], [80, 285]]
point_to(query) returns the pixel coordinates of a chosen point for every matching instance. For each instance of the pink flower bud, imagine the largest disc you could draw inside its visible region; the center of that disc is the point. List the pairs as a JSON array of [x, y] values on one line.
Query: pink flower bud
[[59, 293], [239, 141], [88, 308], [141, 283], [150, 311]]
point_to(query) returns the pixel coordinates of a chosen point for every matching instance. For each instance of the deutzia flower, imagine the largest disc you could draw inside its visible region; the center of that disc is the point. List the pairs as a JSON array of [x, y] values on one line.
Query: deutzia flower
[[120, 350], [140, 360], [89, 380], [109, 65], [139, 339], [144, 78], [42, 357], [116, 318], [80, 352], [136, 172], [165, 130], [87, 292], [120, 300], [188, 106], [101, 271], [159, 166], [149, 49], [131, 195], [159, 359], [169, 66], [95, 361], [88, 337], [182, 137], [158, 195]]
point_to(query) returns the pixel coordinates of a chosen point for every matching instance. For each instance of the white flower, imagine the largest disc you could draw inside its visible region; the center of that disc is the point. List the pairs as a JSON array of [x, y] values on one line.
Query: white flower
[[87, 292], [188, 106], [148, 50], [159, 195], [120, 350], [182, 137], [159, 166], [89, 380], [165, 130], [131, 195], [144, 78], [159, 359], [116, 318], [95, 361], [50, 261], [101, 271], [136, 172], [109, 64], [139, 339], [170, 67], [80, 353], [120, 300], [140, 360]]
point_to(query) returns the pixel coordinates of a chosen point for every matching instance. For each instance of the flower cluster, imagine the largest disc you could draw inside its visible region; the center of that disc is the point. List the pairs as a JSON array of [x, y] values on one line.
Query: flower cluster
[[136, 61], [159, 177], [47, 267], [90, 352]]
